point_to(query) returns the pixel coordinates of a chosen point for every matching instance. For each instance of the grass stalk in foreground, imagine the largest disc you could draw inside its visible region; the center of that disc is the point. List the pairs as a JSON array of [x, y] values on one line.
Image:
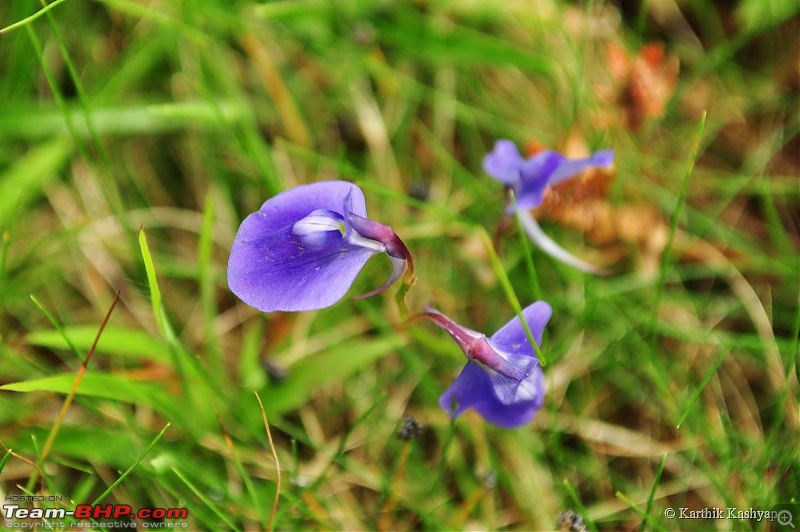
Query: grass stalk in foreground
[[666, 258], [28, 20], [277, 463], [511, 295], [48, 445], [653, 491], [133, 466]]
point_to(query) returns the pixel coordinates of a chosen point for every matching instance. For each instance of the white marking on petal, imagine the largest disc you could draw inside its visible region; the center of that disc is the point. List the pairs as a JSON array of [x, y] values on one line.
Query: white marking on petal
[[527, 390], [317, 222]]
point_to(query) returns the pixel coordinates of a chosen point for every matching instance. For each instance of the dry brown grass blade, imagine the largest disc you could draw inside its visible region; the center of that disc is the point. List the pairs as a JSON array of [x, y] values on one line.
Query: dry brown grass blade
[[386, 511], [273, 82], [29, 462], [275, 456], [51, 437]]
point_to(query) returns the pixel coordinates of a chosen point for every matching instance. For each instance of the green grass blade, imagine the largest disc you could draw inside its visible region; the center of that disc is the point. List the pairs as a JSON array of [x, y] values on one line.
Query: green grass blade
[[115, 341], [111, 387], [207, 287], [666, 258], [133, 466], [311, 374], [696, 395], [211, 506], [62, 333], [27, 177], [528, 255], [28, 20], [152, 281], [653, 491], [4, 461], [581, 509], [505, 282]]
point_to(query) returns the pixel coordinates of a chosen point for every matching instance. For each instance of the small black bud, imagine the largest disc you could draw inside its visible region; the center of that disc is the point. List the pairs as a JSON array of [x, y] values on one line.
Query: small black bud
[[571, 521], [276, 373], [409, 429]]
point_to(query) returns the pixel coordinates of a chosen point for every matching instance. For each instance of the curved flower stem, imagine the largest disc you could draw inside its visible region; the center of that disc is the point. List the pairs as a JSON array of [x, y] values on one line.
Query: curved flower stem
[[535, 233]]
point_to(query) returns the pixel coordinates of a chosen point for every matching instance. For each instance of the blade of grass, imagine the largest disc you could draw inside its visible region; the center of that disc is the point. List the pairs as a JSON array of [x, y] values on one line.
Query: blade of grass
[[632, 506], [206, 282], [116, 340], [722, 355], [109, 183], [211, 506], [152, 281], [576, 500], [75, 383], [277, 464], [133, 466], [187, 365], [653, 491], [60, 329], [505, 282], [27, 177], [314, 372], [140, 118], [791, 366], [4, 461], [48, 445], [31, 463], [5, 239], [527, 253], [246, 478], [666, 258], [40, 470], [28, 20], [113, 387]]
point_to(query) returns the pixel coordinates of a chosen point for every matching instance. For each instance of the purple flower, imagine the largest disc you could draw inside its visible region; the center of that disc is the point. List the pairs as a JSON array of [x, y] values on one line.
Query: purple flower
[[502, 381], [529, 178], [303, 249]]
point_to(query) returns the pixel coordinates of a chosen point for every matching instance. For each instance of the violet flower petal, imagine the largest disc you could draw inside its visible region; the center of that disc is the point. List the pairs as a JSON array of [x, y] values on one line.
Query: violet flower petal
[[572, 167], [492, 391], [293, 255], [512, 337], [504, 163], [548, 168], [535, 176], [474, 389]]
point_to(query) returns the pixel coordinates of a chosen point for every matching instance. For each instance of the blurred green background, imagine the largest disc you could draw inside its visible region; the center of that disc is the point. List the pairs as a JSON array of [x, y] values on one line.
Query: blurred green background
[[672, 383]]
